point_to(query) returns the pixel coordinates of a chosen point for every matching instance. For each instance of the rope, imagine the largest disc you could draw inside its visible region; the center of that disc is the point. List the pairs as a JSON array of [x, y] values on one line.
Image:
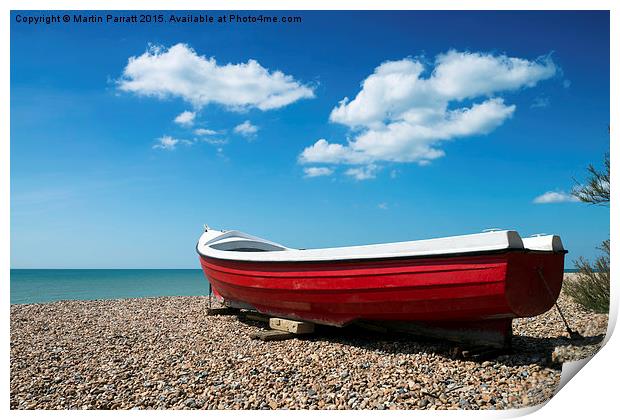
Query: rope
[[210, 293], [574, 335]]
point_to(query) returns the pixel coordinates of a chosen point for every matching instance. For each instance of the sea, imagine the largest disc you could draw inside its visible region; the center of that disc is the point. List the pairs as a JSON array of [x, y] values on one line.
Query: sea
[[49, 285]]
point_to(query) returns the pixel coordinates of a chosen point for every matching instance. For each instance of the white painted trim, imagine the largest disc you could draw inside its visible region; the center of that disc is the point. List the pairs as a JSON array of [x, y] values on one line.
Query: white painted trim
[[479, 242], [543, 243]]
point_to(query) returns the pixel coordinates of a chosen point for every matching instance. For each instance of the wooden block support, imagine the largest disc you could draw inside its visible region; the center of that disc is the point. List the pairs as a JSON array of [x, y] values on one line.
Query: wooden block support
[[372, 327], [222, 311], [294, 327], [272, 335], [488, 333], [255, 317]]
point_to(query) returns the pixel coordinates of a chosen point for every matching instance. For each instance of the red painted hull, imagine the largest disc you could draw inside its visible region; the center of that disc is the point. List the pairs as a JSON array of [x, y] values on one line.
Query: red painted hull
[[471, 288]]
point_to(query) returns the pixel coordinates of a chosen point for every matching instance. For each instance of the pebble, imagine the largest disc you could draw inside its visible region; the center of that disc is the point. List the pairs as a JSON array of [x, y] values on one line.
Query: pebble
[[162, 353]]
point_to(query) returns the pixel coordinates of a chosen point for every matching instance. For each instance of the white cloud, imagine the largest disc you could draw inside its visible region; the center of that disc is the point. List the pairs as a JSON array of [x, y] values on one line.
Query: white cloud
[[566, 83], [402, 115], [166, 143], [325, 152], [246, 129], [185, 118], [212, 140], [555, 197], [171, 143], [383, 206], [540, 102], [205, 132], [362, 173], [179, 71], [205, 135], [315, 171]]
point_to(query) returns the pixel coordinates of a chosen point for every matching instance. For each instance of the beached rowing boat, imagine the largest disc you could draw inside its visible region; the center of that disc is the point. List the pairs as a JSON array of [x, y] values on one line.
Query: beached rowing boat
[[455, 284]]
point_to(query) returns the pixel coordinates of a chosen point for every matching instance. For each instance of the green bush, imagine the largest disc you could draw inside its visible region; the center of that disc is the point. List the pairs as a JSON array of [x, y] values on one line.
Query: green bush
[[596, 191], [590, 287]]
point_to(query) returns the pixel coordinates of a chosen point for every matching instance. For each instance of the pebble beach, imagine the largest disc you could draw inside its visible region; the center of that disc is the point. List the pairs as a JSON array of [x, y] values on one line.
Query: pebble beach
[[168, 353]]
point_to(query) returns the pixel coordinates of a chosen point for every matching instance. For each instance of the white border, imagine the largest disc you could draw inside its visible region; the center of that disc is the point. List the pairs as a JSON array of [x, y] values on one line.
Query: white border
[[593, 393]]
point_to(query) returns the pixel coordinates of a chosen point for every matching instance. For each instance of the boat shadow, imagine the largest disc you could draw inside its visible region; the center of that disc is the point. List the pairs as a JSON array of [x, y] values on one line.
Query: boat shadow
[[555, 349], [548, 352]]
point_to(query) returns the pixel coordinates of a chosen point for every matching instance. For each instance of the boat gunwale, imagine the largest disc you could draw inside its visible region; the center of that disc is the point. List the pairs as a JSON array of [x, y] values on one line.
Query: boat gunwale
[[388, 258]]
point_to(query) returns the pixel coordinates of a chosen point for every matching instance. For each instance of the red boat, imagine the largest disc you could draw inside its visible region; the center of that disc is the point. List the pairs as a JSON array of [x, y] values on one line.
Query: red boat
[[467, 288]]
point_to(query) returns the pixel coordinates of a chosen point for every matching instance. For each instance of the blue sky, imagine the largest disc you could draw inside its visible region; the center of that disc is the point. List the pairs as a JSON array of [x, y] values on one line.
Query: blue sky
[[464, 119]]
